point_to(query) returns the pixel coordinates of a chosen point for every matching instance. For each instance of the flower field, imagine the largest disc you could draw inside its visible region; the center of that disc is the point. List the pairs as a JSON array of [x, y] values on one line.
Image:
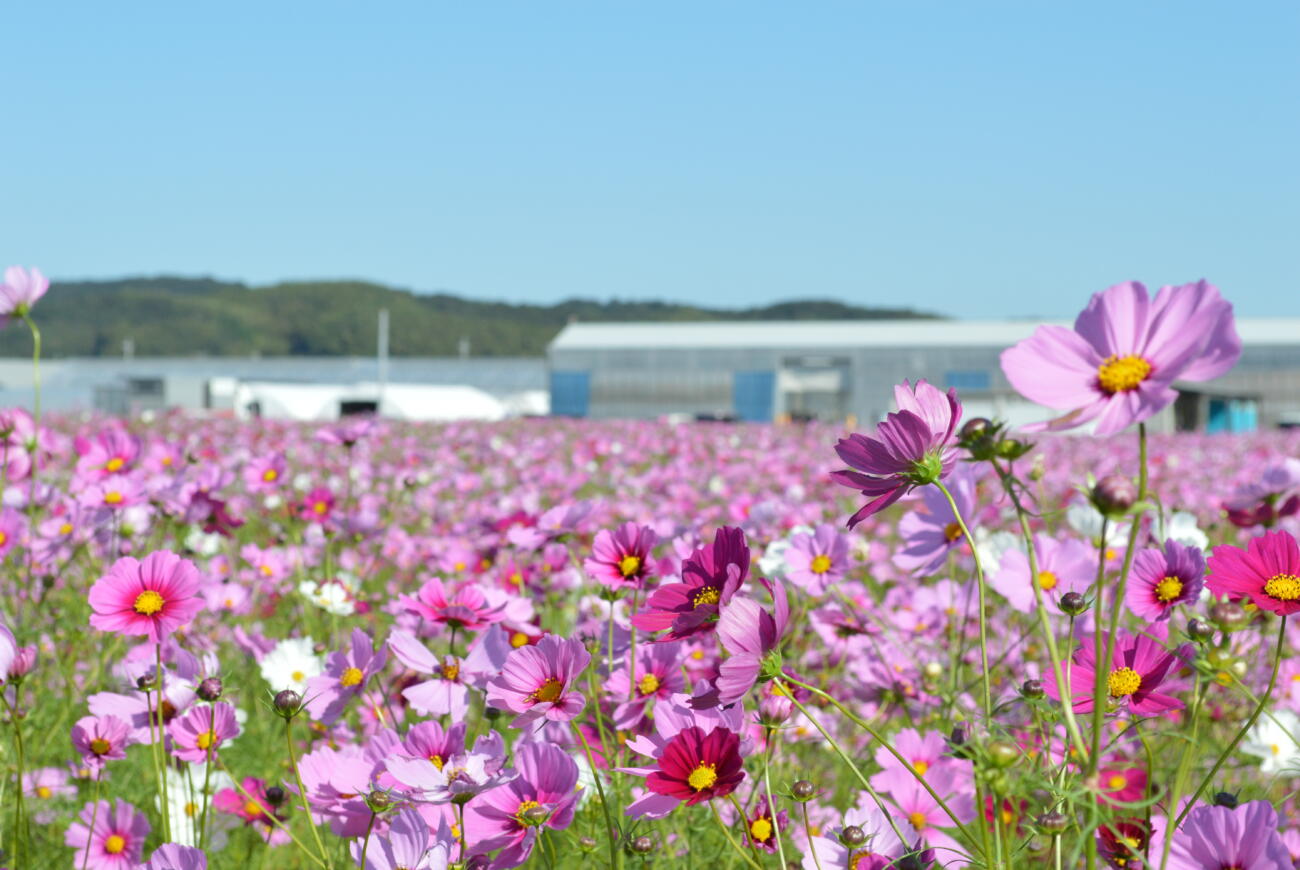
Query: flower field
[[640, 645]]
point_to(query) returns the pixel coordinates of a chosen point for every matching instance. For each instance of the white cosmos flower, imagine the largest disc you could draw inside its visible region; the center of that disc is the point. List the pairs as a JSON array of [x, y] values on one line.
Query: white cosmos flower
[[291, 664], [331, 597], [1181, 527], [1087, 520], [1276, 739], [185, 805]]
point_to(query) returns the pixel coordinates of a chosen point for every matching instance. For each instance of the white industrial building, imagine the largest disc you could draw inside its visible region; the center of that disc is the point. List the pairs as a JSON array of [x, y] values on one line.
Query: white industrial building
[[757, 370]]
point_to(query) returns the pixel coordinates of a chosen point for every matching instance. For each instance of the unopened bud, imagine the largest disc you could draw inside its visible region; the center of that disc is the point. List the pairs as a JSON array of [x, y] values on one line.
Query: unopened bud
[[1032, 689], [1073, 603], [853, 836], [1229, 615], [1199, 631], [643, 845], [1052, 822], [274, 795], [209, 689], [1114, 494], [803, 790], [1003, 754], [1225, 799], [287, 704]]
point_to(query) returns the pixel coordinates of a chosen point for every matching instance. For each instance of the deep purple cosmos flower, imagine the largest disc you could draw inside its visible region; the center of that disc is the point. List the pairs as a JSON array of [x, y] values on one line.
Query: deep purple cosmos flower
[[1118, 365], [1139, 667], [1214, 837], [912, 447], [710, 577], [1267, 572], [621, 559], [537, 682], [510, 817], [1163, 579]]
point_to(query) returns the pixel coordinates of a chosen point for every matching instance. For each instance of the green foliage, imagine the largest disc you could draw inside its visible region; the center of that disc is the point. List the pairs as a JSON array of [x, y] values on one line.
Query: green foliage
[[199, 316]]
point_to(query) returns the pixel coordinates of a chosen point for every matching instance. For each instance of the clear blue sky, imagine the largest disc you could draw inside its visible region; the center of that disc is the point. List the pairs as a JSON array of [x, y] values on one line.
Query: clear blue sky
[[977, 158]]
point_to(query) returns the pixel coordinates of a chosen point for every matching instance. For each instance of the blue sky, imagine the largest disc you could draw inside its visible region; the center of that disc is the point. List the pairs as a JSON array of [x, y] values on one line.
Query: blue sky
[[980, 159]]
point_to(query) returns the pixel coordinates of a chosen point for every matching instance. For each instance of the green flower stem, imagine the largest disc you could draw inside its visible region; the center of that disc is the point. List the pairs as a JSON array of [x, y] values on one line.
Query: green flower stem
[[807, 829], [271, 817], [162, 747], [771, 805], [302, 791], [365, 844], [90, 837], [614, 852], [1250, 723], [979, 580], [20, 808], [732, 840]]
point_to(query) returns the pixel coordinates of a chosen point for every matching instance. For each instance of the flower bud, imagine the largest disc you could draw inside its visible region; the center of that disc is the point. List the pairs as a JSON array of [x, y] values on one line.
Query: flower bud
[[975, 427], [853, 836], [643, 845], [1114, 494], [586, 844], [1052, 822], [803, 790], [23, 664], [1032, 689], [379, 801], [1225, 799], [274, 795], [1003, 754], [1199, 631], [1073, 603], [287, 704], [1229, 615], [209, 689], [535, 815]]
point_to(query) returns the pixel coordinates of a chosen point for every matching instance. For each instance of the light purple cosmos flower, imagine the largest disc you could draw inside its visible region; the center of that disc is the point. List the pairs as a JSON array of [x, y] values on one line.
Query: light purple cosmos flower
[[458, 778], [751, 635], [1163, 579], [912, 447], [337, 782], [658, 675], [173, 856], [930, 535], [879, 851], [446, 693], [407, 845], [537, 682], [815, 562], [115, 840], [1213, 837], [1118, 365], [22, 288], [510, 816], [345, 677], [1065, 565]]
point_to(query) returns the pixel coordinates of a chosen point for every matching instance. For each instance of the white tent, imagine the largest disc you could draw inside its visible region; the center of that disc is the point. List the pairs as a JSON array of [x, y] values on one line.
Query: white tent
[[416, 402]]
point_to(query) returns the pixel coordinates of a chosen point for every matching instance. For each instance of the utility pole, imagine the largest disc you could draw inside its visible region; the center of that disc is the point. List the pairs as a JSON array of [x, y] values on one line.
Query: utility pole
[[382, 357]]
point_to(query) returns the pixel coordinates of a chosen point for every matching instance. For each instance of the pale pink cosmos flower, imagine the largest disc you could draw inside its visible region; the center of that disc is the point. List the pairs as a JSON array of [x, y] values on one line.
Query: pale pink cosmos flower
[[154, 597], [100, 739], [116, 839], [537, 682], [22, 288], [202, 730]]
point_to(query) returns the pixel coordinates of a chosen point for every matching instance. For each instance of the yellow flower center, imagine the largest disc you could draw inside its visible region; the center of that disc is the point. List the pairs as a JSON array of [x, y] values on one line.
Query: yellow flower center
[[320, 507], [920, 766], [1168, 589], [113, 497], [1119, 374], [44, 791], [761, 830], [629, 565], [351, 677], [115, 844], [917, 819], [951, 532], [437, 761], [548, 691], [148, 602], [206, 740], [191, 809], [459, 566], [525, 806], [451, 671], [1117, 781], [114, 464], [1123, 682], [252, 808], [270, 474], [820, 565], [1283, 587], [297, 676], [1047, 580], [649, 684], [707, 595], [703, 776], [100, 746], [65, 529], [518, 639]]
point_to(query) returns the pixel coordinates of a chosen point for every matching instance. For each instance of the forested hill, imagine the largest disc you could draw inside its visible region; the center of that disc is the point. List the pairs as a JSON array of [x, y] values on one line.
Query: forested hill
[[188, 317]]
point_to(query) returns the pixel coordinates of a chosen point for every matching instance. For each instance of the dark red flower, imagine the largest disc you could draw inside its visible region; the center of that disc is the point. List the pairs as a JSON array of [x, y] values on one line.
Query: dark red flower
[[696, 767], [710, 577]]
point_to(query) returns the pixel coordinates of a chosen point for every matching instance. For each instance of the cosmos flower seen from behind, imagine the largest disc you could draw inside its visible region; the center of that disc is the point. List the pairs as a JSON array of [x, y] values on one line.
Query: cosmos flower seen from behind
[[1267, 572], [1118, 364], [154, 597], [22, 288], [913, 446], [1215, 837]]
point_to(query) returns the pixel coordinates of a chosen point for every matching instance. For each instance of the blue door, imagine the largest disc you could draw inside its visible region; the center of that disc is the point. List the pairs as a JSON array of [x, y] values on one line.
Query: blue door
[[752, 395], [570, 393]]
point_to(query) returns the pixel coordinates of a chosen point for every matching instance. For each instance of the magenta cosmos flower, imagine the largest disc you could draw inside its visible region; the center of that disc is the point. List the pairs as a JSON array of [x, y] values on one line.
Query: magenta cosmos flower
[[100, 739], [468, 606], [1118, 365], [710, 577], [1139, 667], [1163, 579], [696, 766], [21, 290], [912, 447], [153, 598], [537, 681], [621, 559], [116, 838], [1267, 572], [1214, 837], [510, 817]]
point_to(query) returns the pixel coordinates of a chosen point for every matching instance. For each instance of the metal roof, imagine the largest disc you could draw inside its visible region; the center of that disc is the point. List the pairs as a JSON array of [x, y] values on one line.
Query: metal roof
[[822, 334]]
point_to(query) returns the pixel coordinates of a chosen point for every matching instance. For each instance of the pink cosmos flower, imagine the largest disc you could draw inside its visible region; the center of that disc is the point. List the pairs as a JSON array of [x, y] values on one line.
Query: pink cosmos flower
[[913, 446], [658, 676], [202, 730], [317, 505], [1139, 667], [815, 562], [930, 535], [154, 597], [751, 635], [22, 288], [447, 693], [923, 813], [113, 493], [408, 844], [537, 682], [116, 839], [254, 810], [100, 739], [173, 856], [112, 451], [927, 755], [47, 783], [458, 778], [1118, 365], [1161, 580], [265, 474], [621, 559], [345, 677], [1122, 783], [880, 850], [710, 577], [1064, 565], [510, 817], [467, 605], [1214, 837], [1267, 572]]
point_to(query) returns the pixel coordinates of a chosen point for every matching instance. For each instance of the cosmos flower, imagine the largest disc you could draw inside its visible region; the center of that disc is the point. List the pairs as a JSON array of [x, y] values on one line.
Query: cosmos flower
[[1214, 837], [22, 288], [1161, 580], [710, 577], [173, 856], [537, 682], [467, 605], [1275, 739], [510, 816], [1064, 565], [621, 559], [447, 693], [408, 844], [1267, 572], [257, 809], [752, 636], [100, 739], [202, 730], [816, 561], [115, 840], [930, 535], [1118, 365], [880, 848], [695, 766], [291, 664], [913, 446], [1139, 667], [657, 676], [345, 677], [762, 825], [154, 597]]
